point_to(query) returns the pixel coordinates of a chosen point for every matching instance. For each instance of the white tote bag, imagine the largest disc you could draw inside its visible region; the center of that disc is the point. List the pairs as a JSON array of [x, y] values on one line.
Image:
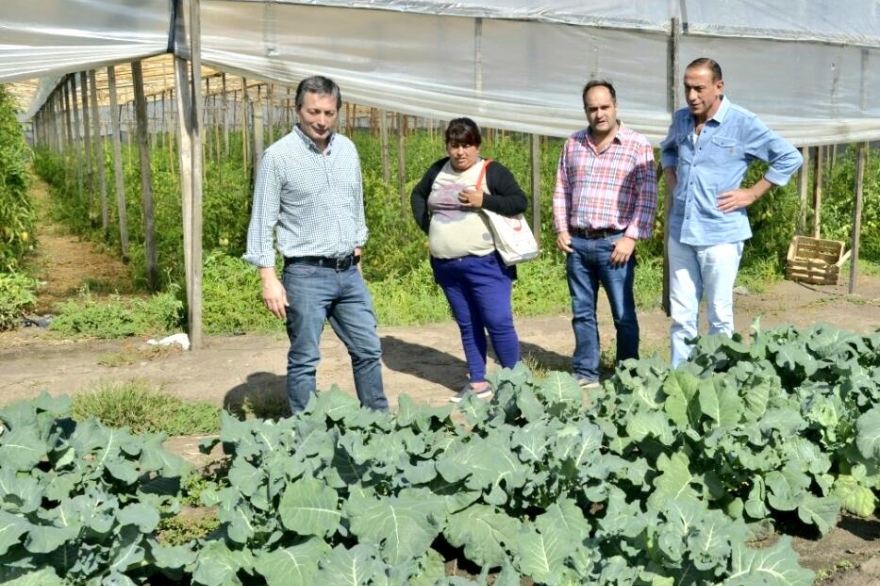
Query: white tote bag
[[514, 240]]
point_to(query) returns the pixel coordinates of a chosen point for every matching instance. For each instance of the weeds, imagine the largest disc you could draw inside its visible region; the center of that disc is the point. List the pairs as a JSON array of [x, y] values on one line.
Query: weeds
[[189, 525], [17, 296], [117, 317], [135, 405]]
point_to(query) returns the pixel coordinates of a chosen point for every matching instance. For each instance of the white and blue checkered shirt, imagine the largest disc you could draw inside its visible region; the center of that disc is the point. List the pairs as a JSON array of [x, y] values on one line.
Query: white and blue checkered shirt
[[314, 199]]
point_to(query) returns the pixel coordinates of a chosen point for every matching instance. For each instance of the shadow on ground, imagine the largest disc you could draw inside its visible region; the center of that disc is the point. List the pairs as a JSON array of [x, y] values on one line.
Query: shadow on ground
[[263, 394], [433, 365]]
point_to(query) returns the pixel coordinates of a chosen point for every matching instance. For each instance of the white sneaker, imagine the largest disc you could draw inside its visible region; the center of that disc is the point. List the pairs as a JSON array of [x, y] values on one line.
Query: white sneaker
[[460, 395], [589, 384]]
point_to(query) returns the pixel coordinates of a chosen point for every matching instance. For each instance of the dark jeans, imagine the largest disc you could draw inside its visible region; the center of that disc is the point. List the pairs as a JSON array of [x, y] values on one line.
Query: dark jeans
[[478, 289], [316, 294], [588, 267]]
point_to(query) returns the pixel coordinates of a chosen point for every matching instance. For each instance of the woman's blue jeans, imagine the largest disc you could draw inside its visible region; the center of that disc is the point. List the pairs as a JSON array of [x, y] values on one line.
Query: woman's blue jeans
[[588, 267], [478, 289]]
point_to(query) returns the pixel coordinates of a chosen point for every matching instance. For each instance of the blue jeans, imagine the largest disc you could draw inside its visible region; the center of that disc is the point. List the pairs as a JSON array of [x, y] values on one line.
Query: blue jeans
[[316, 294], [478, 289], [588, 267], [694, 270]]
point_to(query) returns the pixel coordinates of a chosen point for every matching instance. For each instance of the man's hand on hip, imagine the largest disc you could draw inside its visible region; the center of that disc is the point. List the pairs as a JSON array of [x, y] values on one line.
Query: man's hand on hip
[[623, 250], [274, 294]]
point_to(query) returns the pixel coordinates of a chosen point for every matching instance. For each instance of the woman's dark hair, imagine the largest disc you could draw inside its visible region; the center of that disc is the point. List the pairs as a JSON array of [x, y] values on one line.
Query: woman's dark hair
[[463, 131]]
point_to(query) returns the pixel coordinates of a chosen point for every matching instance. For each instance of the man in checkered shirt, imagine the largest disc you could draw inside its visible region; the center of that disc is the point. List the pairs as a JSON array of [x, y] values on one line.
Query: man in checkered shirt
[[605, 200], [309, 196]]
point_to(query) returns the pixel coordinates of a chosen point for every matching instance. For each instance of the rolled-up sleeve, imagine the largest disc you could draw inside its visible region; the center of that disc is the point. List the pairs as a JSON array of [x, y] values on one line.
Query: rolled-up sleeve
[[646, 196], [669, 148], [766, 145]]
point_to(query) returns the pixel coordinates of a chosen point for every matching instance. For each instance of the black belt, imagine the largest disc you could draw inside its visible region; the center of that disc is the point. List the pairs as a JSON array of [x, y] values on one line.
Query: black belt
[[592, 234], [340, 263]]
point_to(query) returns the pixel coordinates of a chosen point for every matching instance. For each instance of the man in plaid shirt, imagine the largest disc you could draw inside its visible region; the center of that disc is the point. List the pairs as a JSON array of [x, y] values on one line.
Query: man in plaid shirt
[[605, 200]]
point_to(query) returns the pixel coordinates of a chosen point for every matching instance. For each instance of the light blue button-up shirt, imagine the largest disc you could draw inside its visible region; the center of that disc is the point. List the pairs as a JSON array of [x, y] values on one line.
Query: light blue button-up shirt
[[714, 162], [313, 198]]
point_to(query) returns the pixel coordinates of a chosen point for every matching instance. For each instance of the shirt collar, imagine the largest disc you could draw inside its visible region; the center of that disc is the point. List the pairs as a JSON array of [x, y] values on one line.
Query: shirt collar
[[722, 111], [310, 143], [617, 137]]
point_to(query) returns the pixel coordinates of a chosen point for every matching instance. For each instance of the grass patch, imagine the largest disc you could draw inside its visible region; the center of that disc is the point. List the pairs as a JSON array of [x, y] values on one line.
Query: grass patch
[[117, 317], [135, 405]]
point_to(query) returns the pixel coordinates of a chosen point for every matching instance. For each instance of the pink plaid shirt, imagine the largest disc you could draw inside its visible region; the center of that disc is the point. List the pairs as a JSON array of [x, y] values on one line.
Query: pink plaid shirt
[[612, 190]]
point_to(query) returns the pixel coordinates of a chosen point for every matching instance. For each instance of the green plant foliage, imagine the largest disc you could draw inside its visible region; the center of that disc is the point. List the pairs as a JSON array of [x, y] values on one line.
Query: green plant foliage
[[117, 317], [395, 257], [80, 502], [664, 477], [839, 198], [17, 217], [232, 297], [141, 409], [17, 296]]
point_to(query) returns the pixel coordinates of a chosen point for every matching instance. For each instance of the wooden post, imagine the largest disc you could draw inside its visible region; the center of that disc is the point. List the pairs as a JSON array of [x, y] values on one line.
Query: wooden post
[[71, 140], [117, 163], [258, 130], [87, 139], [217, 122], [535, 156], [189, 111], [674, 103], [384, 147], [287, 125], [99, 153], [57, 126], [245, 123], [77, 134], [225, 114], [140, 101], [401, 162], [857, 216], [803, 190], [270, 115], [817, 192], [171, 137]]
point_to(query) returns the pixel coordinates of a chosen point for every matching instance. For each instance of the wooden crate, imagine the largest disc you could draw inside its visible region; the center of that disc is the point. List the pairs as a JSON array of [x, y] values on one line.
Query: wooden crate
[[813, 260]]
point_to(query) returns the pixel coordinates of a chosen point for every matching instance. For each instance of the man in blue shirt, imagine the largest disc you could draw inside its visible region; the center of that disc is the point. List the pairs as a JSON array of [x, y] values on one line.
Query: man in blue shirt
[[705, 157], [309, 194]]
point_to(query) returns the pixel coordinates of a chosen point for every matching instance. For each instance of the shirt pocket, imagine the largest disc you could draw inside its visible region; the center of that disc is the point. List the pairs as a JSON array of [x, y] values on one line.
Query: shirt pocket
[[725, 147]]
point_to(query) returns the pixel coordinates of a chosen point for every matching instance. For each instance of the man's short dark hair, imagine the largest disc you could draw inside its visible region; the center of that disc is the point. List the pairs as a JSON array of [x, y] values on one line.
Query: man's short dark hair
[[463, 131], [318, 84], [710, 64], [599, 83]]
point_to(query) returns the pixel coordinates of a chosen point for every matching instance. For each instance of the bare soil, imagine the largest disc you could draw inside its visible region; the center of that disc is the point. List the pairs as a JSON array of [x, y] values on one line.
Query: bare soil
[[424, 362]]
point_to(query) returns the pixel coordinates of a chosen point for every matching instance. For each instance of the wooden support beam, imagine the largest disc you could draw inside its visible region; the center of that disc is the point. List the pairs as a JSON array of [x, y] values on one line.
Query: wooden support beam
[[150, 252], [119, 176]]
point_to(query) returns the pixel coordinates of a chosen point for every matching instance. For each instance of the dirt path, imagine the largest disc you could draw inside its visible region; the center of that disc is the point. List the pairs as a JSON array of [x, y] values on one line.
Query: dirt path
[[424, 362], [64, 264]]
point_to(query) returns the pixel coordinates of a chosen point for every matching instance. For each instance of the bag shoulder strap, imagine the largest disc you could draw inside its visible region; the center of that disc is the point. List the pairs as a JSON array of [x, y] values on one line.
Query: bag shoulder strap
[[479, 185]]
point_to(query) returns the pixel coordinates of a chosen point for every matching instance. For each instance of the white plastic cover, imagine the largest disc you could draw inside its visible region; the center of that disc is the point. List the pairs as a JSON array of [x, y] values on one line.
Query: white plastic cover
[[809, 68]]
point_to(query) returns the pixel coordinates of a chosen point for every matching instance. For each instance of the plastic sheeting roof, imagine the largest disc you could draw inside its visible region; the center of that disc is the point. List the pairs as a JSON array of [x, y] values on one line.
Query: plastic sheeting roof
[[810, 68]]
